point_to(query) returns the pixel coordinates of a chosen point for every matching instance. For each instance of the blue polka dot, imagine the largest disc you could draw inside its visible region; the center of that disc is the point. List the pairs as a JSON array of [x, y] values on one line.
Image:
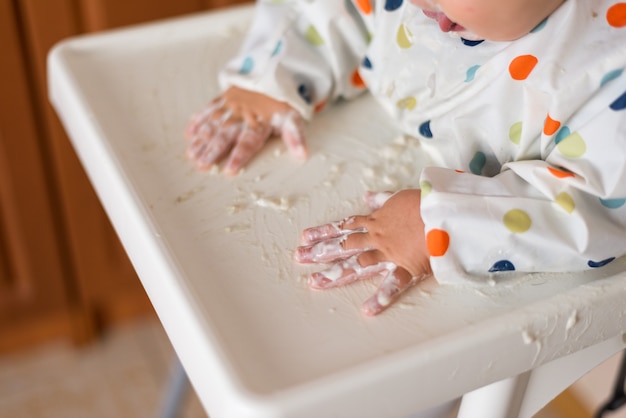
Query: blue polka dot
[[619, 103], [478, 163], [278, 48], [502, 265], [469, 42], [471, 73], [540, 26], [563, 133], [391, 5], [597, 264], [613, 203], [367, 63], [425, 130], [246, 66], [303, 91], [612, 75]]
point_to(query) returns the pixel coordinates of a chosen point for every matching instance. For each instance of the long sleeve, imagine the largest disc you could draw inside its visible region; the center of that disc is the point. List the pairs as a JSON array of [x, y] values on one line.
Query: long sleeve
[[565, 212], [561, 209], [301, 52]]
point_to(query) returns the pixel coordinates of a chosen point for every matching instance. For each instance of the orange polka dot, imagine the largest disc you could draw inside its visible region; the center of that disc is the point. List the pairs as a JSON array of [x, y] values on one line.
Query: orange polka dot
[[364, 6], [560, 173], [356, 80], [320, 106], [616, 15], [551, 126], [437, 242], [521, 66]]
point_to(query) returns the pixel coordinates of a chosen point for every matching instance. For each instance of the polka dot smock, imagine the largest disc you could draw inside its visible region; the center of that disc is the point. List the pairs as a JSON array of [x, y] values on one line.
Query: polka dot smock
[[528, 137]]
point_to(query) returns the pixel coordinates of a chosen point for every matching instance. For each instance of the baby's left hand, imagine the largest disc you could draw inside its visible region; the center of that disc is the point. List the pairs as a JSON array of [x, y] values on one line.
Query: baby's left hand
[[237, 124], [390, 242]]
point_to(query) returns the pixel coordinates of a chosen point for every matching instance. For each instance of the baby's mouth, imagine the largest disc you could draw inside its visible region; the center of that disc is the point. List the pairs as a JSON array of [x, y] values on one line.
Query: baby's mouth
[[445, 24]]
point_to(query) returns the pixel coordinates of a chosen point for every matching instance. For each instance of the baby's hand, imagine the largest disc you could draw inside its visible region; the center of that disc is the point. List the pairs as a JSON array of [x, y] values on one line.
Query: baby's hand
[[237, 124], [389, 243]]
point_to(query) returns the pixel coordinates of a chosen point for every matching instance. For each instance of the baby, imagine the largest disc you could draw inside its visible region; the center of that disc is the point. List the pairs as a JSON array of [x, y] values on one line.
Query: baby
[[521, 103]]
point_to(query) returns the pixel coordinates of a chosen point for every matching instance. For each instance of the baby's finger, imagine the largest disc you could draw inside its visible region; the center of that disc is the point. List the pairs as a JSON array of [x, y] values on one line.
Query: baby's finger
[[362, 241], [218, 146], [291, 126], [345, 272], [195, 148], [200, 142], [375, 200], [250, 141], [326, 251], [323, 232], [397, 281], [330, 230], [202, 117]]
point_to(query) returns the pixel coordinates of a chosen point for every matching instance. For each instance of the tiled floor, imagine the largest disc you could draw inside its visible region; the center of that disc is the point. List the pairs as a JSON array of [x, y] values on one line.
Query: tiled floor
[[123, 375]]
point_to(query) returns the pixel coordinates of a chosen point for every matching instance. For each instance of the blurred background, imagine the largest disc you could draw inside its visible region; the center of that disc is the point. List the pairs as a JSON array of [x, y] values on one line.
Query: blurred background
[[78, 336]]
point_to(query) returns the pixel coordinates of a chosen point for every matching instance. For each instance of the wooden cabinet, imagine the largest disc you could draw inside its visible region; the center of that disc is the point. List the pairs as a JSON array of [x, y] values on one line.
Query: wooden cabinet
[[34, 294], [63, 271]]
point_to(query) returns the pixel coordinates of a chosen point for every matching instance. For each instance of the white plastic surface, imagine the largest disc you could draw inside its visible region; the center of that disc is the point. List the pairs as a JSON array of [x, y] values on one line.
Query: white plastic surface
[[214, 253]]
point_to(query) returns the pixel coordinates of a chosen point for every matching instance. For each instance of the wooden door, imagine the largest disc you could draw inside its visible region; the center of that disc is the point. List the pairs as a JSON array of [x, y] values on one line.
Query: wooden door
[[98, 278], [98, 15], [107, 286], [62, 268], [35, 289]]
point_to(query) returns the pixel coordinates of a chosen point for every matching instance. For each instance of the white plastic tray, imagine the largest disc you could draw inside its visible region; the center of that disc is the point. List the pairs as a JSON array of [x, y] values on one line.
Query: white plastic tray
[[214, 253]]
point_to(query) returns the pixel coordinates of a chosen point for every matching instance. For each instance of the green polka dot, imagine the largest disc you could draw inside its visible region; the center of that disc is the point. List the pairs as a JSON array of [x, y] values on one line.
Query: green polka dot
[[277, 48], [613, 203], [313, 36], [565, 201], [612, 75], [515, 133], [517, 221], [471, 73], [403, 37], [426, 188], [247, 66], [478, 163], [563, 133], [572, 146]]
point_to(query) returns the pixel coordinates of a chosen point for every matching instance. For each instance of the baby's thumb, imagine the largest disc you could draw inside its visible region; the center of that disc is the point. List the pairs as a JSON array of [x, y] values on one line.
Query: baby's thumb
[[292, 133]]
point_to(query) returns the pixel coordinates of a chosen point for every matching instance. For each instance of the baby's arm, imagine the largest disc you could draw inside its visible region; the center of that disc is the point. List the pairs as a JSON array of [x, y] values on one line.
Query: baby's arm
[[564, 213], [297, 57], [535, 216]]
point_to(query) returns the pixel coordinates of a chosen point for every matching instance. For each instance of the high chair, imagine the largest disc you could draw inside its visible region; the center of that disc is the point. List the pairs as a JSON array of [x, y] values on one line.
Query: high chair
[[214, 253]]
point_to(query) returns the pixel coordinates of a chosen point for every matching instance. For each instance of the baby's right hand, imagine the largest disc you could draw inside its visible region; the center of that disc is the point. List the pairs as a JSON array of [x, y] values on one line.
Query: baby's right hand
[[237, 124]]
